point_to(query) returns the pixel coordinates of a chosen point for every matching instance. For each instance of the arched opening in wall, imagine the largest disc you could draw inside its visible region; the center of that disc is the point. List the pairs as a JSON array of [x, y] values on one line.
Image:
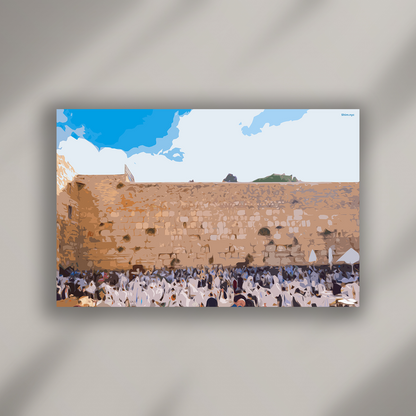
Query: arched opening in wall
[[184, 225], [69, 211], [126, 238], [264, 231], [120, 185], [120, 249], [211, 260]]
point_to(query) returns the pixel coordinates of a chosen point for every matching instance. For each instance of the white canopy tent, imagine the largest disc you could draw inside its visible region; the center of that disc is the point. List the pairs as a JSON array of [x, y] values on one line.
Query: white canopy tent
[[350, 257], [312, 257]]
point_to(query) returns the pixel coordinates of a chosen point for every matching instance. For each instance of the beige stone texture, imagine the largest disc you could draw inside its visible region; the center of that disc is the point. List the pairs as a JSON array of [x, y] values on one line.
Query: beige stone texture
[[116, 224]]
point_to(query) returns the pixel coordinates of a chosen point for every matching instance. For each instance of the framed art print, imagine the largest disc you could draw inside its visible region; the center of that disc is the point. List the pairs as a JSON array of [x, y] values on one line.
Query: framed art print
[[208, 208]]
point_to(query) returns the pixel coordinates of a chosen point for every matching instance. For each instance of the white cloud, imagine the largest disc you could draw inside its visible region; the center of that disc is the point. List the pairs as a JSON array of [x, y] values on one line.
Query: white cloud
[[86, 159], [322, 146]]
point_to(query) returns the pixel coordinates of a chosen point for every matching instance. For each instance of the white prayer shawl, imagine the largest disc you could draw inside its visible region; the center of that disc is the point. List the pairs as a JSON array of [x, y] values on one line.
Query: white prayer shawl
[[135, 290], [276, 280], [143, 300], [300, 299], [326, 300], [318, 301], [222, 301], [183, 300], [193, 282], [158, 294], [91, 288], [356, 289], [321, 288], [192, 303], [314, 278], [276, 290], [217, 282], [108, 299], [151, 293], [173, 303], [286, 299], [122, 295], [115, 295], [306, 282], [246, 287], [200, 298], [269, 301], [192, 289], [256, 293], [122, 280], [348, 291], [132, 298]]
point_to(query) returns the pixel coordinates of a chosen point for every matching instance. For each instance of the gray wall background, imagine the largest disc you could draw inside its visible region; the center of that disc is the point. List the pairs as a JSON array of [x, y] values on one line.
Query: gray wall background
[[207, 54]]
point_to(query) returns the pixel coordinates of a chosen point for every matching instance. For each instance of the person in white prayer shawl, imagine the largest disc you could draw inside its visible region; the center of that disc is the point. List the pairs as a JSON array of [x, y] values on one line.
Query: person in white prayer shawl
[[143, 300], [320, 287], [183, 299], [268, 300], [217, 281], [123, 297], [166, 297], [150, 292], [123, 281], [276, 289], [286, 297], [293, 286], [173, 303], [299, 298], [159, 293], [90, 289], [222, 301], [247, 285], [200, 297]]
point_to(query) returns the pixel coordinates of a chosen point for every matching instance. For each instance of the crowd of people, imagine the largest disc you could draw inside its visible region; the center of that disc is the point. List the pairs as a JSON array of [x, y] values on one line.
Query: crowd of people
[[289, 286]]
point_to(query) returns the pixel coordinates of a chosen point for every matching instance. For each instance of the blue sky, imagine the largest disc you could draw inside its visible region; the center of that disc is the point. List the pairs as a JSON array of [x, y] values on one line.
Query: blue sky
[[272, 118], [178, 145], [132, 131]]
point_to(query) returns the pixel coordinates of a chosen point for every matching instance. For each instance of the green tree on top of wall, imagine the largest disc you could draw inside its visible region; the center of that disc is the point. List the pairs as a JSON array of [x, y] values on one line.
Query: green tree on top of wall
[[277, 178]]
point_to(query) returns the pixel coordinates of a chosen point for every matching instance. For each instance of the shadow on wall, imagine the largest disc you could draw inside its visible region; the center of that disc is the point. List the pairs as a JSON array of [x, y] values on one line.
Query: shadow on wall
[[28, 380], [384, 391]]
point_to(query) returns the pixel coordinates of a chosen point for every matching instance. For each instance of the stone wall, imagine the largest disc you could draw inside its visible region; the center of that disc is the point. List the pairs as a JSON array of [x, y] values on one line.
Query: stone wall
[[121, 224], [67, 229]]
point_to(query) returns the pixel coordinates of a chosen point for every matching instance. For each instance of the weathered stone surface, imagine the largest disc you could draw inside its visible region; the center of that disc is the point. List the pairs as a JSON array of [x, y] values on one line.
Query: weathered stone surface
[[167, 218]]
